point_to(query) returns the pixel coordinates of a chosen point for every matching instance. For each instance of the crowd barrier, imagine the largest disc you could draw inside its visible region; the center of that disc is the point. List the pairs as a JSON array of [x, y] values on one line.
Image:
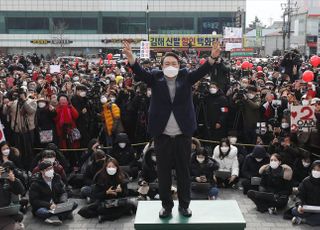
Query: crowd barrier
[[144, 143]]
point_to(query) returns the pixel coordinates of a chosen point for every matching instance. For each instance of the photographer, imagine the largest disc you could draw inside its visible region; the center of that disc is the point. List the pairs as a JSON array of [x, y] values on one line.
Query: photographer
[[22, 115], [10, 186], [292, 63], [249, 105], [219, 73]]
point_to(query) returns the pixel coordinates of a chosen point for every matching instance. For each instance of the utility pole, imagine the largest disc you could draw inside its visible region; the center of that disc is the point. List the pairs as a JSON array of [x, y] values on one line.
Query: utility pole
[[288, 9], [147, 22]]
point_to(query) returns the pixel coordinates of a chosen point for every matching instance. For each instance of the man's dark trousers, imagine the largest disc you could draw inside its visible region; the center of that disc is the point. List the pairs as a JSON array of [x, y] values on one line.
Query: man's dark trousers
[[173, 153]]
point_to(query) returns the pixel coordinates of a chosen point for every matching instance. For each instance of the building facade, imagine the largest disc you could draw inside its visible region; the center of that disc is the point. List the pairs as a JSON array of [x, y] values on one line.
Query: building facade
[[87, 26], [305, 27]]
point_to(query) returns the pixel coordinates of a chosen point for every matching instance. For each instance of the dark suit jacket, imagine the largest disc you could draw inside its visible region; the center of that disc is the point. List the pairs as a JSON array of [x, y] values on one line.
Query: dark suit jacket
[[161, 105]]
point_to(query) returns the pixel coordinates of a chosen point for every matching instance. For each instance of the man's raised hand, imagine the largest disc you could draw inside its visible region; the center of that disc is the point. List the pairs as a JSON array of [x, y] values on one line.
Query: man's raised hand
[[216, 49], [128, 52]]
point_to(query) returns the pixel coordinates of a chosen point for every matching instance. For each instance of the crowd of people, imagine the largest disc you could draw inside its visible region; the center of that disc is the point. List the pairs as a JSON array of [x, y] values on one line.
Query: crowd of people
[[75, 129]]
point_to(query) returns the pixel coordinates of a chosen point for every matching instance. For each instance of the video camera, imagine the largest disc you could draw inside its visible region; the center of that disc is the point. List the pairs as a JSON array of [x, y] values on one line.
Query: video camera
[[240, 93], [203, 89]]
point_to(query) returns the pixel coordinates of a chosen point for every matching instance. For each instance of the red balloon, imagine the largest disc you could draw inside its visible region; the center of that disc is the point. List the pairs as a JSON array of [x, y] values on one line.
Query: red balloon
[[250, 65], [245, 65], [202, 61], [314, 60], [308, 76], [109, 56], [259, 68], [238, 62]]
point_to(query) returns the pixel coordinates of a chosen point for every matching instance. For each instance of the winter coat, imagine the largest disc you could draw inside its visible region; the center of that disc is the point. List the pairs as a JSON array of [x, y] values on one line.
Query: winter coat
[[219, 74], [217, 110], [251, 113], [124, 156], [45, 119], [25, 119], [289, 154], [230, 162], [15, 187], [276, 181], [309, 190], [149, 170], [63, 131], [207, 168], [299, 171], [58, 169], [250, 167], [110, 113], [102, 182], [40, 194]]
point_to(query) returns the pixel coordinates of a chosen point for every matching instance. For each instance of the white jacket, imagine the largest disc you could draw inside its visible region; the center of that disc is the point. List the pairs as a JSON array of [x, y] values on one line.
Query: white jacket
[[229, 163]]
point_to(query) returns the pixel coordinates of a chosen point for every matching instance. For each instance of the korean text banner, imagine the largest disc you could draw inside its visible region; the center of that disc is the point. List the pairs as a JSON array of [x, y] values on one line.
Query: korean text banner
[[197, 41]]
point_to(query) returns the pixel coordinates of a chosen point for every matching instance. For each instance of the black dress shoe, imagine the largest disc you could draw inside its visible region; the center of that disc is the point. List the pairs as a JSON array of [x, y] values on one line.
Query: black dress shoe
[[186, 212], [165, 213]]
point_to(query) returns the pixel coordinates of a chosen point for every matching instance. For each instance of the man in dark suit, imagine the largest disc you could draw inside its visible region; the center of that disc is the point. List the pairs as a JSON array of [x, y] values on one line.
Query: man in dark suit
[[172, 122]]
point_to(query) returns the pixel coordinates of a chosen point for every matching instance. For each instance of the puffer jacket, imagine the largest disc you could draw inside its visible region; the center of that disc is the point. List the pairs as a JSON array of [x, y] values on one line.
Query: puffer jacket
[[276, 181], [309, 190], [110, 113], [230, 162]]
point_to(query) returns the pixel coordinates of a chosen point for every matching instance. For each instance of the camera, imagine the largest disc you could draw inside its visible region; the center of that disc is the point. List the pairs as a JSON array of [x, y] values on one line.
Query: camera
[[276, 103], [203, 89], [240, 93]]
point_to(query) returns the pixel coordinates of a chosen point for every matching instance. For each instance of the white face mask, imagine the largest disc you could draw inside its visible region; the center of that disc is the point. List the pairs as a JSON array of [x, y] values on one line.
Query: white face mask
[[120, 85], [111, 171], [103, 100], [112, 99], [274, 164], [244, 85], [224, 149], [285, 125], [49, 173], [213, 90], [122, 145], [233, 140], [200, 159], [305, 102], [6, 152], [305, 164], [171, 71], [51, 160], [259, 159], [83, 94], [315, 174], [250, 95], [108, 82], [76, 79], [149, 93], [41, 105]]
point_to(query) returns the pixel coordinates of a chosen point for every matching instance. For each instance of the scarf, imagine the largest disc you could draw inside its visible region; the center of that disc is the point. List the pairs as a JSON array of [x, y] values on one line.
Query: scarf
[[65, 117]]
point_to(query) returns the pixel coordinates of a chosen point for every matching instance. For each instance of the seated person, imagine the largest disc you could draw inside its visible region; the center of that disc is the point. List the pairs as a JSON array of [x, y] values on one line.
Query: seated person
[[50, 156], [9, 154], [275, 181], [202, 169], [110, 186], [302, 168], [226, 156], [124, 153], [250, 168], [148, 174], [309, 190], [46, 191], [10, 188], [91, 170]]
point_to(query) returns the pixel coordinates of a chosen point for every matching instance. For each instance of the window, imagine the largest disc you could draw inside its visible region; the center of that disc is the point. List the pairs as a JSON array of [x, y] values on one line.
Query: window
[[124, 25], [171, 24], [22, 23], [76, 23]]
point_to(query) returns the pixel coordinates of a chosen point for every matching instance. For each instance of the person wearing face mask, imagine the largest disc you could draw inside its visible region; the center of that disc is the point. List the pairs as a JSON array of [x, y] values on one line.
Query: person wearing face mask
[[172, 121], [109, 183], [301, 169], [65, 122], [50, 156], [148, 175], [111, 116], [217, 112], [250, 168], [220, 75], [46, 191], [250, 107], [276, 180], [309, 190], [202, 169], [45, 132], [226, 156], [81, 103], [124, 153], [22, 116], [9, 154]]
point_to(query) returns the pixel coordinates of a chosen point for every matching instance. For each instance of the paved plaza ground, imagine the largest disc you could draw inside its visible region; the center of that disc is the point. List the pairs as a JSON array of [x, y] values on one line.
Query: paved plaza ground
[[254, 219]]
